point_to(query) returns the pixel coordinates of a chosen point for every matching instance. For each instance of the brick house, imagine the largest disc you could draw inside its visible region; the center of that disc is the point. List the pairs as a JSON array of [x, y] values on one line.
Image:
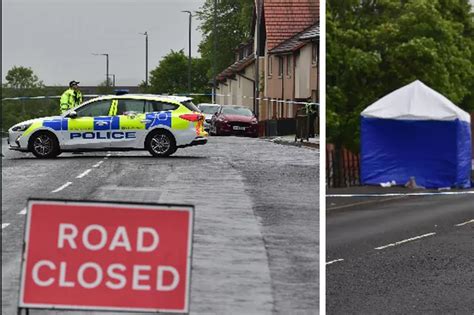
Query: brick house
[[288, 61], [236, 84], [287, 57], [291, 73]]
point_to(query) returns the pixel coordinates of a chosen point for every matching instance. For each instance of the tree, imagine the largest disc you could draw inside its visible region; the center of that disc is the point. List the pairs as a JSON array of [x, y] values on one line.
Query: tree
[[15, 111], [375, 47], [171, 75], [22, 78], [233, 26]]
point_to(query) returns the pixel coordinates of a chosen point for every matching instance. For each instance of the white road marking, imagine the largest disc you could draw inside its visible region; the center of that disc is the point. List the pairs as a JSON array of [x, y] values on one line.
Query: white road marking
[[4, 225], [464, 223], [98, 164], [84, 173], [62, 187], [405, 241], [23, 211], [129, 188], [334, 261], [403, 194]]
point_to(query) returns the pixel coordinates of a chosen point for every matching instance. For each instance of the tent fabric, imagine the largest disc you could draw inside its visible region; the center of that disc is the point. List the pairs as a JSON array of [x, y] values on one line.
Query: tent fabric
[[416, 132], [395, 150], [415, 101]]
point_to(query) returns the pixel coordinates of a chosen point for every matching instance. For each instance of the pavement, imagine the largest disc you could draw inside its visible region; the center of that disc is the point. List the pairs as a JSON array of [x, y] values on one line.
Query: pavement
[[290, 140]]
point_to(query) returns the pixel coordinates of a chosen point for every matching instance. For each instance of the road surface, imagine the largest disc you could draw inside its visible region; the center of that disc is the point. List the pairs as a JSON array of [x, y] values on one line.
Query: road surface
[[410, 256], [256, 220]]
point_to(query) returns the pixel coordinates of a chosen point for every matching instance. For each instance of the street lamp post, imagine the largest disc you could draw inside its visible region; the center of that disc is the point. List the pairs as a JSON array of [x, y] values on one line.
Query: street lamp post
[[113, 80], [146, 57], [189, 54], [214, 35], [106, 67]]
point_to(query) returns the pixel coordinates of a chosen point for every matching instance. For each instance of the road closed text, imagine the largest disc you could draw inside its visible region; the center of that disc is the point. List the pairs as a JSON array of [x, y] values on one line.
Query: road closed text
[[107, 256], [114, 276]]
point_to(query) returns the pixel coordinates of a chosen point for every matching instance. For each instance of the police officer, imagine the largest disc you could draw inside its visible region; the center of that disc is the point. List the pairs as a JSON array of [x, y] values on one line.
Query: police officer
[[71, 97]]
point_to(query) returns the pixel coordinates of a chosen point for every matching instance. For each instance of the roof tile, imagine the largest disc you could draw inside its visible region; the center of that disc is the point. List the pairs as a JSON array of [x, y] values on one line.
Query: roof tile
[[285, 18]]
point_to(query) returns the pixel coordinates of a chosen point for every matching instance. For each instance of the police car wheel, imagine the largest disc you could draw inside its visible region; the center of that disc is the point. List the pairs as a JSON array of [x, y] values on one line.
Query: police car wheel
[[161, 143], [44, 145]]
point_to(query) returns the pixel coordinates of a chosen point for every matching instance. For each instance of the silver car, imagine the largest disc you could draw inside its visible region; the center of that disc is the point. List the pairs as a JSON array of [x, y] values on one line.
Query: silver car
[[208, 110]]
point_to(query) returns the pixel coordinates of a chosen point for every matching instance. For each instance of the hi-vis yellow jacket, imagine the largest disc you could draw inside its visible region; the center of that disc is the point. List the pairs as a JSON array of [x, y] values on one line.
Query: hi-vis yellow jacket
[[70, 99]]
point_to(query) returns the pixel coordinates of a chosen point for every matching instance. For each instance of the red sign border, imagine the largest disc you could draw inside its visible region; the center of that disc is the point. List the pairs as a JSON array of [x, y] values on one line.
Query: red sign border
[[120, 204]]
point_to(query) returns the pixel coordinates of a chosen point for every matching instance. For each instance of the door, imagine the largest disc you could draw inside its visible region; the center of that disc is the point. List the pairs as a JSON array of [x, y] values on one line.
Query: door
[[129, 118], [91, 129]]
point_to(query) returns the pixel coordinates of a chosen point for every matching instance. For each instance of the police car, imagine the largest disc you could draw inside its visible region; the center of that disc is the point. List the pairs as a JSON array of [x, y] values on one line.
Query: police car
[[159, 124]]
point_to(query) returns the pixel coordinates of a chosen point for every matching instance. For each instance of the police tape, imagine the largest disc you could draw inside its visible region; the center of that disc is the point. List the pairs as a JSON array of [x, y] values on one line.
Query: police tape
[[271, 100], [275, 100], [27, 98], [441, 193]]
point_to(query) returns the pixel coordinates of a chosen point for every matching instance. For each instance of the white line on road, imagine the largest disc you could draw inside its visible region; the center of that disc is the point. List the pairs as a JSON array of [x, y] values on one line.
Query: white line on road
[[84, 174], [464, 223], [23, 211], [334, 261], [4, 225], [405, 241], [62, 187], [98, 164], [402, 194]]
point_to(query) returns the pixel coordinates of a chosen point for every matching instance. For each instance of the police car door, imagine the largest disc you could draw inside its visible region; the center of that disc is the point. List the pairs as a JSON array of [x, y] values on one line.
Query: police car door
[[131, 122], [91, 129]]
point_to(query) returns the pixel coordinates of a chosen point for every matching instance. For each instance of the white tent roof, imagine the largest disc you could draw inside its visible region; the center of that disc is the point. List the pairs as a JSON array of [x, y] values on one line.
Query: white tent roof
[[415, 101]]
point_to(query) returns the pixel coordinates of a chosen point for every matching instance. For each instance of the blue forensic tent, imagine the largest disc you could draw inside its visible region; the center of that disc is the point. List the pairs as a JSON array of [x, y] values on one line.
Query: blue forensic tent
[[416, 132]]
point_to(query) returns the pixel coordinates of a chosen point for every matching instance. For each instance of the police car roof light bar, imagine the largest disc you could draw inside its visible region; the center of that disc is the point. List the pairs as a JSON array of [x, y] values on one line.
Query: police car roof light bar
[[121, 92]]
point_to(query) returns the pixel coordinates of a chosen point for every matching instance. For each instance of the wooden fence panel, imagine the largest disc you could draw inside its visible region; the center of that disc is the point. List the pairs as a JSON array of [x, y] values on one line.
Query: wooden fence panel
[[342, 167]]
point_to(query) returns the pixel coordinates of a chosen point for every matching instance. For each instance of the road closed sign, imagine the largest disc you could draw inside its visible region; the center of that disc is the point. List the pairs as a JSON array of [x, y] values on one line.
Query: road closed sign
[[107, 256]]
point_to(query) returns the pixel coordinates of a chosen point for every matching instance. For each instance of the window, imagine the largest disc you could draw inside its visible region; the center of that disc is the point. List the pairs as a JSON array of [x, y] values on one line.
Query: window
[[280, 66], [99, 108], [209, 109], [190, 105], [156, 106], [269, 61], [314, 53], [241, 111], [137, 106], [288, 65]]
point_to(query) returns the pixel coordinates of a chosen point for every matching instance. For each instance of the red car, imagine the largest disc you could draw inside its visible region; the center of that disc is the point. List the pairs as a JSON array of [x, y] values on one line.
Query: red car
[[234, 120]]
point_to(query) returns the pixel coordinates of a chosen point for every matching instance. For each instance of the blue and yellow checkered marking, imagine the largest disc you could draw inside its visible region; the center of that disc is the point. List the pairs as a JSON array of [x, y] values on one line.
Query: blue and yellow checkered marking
[[109, 123], [102, 123], [115, 124], [55, 124], [158, 118]]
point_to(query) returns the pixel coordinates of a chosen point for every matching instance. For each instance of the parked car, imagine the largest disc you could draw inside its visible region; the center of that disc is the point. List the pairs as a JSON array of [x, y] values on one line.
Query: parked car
[[159, 124], [234, 120], [208, 110]]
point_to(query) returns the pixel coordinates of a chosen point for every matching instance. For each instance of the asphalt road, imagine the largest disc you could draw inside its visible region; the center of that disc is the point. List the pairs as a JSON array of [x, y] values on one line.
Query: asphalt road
[[410, 256], [256, 235]]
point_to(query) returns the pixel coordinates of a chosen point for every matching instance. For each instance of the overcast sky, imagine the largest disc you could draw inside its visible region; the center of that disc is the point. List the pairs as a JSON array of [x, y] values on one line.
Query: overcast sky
[[56, 37]]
